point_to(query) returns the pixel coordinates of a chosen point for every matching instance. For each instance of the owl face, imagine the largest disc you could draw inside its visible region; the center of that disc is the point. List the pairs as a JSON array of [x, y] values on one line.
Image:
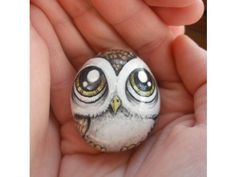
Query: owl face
[[115, 91]]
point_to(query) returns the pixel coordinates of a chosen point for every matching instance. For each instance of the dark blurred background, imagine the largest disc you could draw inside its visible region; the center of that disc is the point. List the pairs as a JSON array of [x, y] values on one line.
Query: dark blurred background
[[198, 31]]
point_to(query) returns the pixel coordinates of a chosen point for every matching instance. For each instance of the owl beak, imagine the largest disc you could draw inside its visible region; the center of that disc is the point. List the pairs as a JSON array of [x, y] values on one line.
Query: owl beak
[[115, 104]]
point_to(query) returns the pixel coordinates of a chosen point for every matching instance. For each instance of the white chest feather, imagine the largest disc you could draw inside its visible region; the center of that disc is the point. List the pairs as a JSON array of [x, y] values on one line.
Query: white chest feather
[[114, 133]]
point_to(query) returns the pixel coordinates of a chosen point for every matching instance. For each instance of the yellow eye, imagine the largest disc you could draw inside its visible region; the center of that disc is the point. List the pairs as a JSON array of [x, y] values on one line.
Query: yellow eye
[[142, 82], [90, 81]]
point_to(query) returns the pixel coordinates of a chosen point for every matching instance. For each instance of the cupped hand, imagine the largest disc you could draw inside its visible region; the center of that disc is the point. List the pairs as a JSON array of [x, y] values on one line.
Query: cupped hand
[[63, 35]]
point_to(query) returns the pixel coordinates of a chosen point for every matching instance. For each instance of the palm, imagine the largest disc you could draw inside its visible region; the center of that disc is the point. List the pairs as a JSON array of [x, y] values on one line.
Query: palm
[[176, 145]]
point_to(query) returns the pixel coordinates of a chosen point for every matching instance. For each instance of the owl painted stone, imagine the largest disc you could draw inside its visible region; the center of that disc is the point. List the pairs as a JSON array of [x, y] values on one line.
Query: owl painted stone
[[115, 101]]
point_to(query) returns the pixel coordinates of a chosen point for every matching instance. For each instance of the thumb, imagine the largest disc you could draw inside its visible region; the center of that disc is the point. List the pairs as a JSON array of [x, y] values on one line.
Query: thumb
[[190, 62]]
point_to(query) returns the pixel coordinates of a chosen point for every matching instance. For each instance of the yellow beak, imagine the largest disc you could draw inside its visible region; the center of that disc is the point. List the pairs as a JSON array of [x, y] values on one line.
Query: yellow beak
[[115, 104]]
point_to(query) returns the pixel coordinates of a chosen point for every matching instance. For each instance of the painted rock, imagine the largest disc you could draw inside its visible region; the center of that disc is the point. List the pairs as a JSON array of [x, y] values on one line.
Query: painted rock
[[115, 101]]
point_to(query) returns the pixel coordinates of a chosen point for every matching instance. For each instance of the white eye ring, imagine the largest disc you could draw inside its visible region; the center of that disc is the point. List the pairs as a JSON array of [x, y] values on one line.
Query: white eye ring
[[88, 77], [137, 97], [88, 99], [141, 86]]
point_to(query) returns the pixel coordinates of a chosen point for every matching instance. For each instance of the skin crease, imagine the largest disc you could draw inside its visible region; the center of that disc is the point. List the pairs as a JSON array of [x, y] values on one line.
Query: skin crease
[[59, 46]]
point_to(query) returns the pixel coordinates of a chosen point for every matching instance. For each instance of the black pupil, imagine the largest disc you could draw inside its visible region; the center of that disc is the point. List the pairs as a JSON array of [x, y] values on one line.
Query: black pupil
[[90, 78], [143, 80]]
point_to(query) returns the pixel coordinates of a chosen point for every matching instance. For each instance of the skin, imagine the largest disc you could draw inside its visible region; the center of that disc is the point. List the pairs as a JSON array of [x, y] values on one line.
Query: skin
[[63, 35]]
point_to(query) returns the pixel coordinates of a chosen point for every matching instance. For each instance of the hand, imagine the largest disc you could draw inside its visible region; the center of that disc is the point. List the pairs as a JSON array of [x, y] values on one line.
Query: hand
[[177, 144], [177, 12]]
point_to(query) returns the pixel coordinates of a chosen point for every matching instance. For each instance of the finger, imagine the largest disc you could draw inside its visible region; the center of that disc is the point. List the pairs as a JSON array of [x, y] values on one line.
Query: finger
[[62, 72], [99, 34], [191, 65], [200, 105], [181, 16], [139, 26], [75, 47], [170, 3], [190, 62], [39, 92]]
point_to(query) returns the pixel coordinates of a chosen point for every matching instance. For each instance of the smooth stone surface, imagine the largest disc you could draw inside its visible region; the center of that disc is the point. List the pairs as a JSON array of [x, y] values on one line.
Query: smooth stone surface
[[115, 101]]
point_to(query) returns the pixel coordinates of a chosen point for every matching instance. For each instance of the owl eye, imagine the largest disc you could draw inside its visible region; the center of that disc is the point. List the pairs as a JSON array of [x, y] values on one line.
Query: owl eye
[[90, 84], [141, 85]]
